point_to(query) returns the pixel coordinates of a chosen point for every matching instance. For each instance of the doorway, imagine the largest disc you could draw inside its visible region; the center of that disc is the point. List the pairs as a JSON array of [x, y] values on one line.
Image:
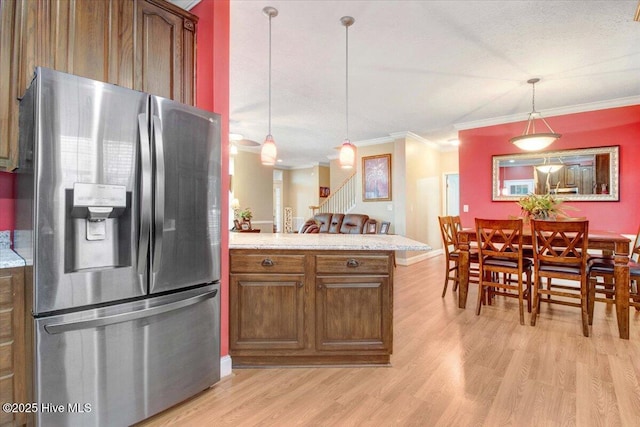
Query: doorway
[[452, 194]]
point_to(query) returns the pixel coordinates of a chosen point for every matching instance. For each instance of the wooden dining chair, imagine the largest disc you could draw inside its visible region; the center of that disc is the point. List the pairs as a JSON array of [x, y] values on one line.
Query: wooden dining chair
[[500, 251], [449, 243], [560, 252], [449, 228], [601, 276]]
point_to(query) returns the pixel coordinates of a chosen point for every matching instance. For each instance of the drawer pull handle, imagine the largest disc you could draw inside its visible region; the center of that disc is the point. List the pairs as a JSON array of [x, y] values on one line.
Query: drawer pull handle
[[300, 284], [352, 263], [267, 262]]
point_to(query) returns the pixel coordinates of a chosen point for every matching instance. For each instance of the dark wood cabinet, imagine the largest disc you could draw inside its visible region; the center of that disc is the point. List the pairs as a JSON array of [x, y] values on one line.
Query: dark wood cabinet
[[12, 344], [310, 307], [147, 45], [164, 51], [568, 179], [353, 313], [268, 311]]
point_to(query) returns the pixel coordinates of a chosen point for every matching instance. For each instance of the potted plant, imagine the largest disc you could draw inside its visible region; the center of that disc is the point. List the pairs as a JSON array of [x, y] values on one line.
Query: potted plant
[[246, 216]]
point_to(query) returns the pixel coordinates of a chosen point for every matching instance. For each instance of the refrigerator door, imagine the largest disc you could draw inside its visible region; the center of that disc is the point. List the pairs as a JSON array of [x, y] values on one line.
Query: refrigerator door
[[118, 365], [78, 190], [185, 247]]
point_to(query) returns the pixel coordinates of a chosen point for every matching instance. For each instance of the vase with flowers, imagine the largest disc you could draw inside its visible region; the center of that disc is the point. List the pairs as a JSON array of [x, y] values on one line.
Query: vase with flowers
[[540, 206]]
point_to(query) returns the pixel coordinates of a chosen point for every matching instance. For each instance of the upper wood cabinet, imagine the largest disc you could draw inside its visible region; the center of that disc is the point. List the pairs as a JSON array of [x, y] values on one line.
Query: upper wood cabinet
[[147, 45], [164, 52]]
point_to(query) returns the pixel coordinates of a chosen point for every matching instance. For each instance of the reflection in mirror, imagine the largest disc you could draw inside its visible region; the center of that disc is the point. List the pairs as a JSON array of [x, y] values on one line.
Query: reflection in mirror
[[582, 174]]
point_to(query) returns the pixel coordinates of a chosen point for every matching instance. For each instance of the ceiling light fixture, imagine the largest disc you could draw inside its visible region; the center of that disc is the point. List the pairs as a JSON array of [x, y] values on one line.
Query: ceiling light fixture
[[348, 150], [534, 141], [269, 151]]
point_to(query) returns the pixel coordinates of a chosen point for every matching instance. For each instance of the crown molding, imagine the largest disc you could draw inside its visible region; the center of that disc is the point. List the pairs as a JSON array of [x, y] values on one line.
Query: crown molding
[[572, 109]]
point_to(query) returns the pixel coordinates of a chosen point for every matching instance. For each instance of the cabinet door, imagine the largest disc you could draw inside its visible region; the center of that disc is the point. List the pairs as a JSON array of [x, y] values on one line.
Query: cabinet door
[[164, 57], [353, 313], [572, 176], [9, 15], [87, 37], [586, 184], [266, 311], [12, 343]]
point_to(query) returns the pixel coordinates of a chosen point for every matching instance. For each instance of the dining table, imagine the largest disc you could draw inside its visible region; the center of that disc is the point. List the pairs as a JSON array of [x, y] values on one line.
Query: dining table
[[611, 244]]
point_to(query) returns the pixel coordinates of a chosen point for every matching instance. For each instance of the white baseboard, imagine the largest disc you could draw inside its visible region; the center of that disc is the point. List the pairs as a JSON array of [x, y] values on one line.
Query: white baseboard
[[225, 366], [417, 258]]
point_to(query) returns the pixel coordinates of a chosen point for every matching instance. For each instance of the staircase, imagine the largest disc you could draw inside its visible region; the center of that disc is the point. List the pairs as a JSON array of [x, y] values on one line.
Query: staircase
[[340, 201]]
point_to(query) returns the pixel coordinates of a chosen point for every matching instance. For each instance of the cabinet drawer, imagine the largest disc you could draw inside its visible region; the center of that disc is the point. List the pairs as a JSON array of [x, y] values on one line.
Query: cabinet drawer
[[352, 264], [266, 263]]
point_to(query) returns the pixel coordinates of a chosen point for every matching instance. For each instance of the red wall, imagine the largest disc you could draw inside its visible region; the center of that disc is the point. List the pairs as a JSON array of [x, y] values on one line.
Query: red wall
[[212, 83], [7, 216], [614, 126]]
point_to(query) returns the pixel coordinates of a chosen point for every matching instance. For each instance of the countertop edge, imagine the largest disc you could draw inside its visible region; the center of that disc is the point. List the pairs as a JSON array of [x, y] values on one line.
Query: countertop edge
[[10, 259]]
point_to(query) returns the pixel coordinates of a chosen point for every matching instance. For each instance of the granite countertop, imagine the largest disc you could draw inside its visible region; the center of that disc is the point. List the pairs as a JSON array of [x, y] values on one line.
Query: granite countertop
[[9, 259], [325, 241]]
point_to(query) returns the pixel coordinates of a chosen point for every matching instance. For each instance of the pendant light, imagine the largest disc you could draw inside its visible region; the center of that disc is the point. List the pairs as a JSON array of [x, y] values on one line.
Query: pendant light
[[348, 150], [269, 151], [534, 141]]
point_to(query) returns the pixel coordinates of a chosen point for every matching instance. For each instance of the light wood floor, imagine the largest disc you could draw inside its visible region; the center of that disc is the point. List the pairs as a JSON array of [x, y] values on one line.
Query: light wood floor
[[450, 368]]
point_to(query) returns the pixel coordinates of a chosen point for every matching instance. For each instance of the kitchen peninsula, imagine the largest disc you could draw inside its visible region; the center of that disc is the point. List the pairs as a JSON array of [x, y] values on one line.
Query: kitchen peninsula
[[313, 299]]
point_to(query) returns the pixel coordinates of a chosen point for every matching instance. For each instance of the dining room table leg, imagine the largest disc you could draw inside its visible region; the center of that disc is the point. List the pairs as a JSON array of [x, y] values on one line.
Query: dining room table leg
[[463, 269], [621, 279]]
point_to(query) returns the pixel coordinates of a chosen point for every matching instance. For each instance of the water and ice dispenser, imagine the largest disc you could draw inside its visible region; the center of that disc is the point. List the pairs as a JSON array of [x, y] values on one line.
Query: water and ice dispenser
[[99, 226]]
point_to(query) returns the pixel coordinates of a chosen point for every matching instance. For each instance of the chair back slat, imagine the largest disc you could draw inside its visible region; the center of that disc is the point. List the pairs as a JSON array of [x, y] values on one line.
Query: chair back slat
[[499, 238], [449, 233], [560, 242], [635, 250]]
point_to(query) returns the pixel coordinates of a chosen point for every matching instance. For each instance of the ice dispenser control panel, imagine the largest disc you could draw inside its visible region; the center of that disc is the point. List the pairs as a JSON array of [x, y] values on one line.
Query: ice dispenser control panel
[[96, 203]]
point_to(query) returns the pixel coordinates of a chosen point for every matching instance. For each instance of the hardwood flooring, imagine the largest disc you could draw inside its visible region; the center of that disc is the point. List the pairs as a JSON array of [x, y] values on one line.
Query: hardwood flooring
[[450, 368]]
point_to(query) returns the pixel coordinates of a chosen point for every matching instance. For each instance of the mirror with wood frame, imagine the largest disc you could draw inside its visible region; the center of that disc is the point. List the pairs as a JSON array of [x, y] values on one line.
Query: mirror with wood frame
[[588, 174]]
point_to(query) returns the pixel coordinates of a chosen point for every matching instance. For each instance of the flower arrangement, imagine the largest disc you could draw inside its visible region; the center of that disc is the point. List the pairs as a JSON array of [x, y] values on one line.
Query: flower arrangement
[[540, 206]]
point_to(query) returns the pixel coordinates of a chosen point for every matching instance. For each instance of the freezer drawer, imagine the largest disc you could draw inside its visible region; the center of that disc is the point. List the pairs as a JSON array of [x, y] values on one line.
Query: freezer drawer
[[118, 365]]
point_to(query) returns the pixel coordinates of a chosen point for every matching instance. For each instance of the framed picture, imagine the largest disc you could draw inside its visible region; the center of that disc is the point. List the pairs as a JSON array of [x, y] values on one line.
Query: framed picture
[[376, 178], [371, 227], [384, 227], [324, 191], [236, 225]]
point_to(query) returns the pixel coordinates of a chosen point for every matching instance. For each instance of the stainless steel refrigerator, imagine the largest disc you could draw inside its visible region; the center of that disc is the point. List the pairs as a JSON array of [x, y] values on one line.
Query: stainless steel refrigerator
[[118, 217]]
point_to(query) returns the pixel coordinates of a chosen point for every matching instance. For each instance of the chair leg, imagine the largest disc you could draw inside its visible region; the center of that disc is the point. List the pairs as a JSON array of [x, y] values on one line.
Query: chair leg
[[481, 293], [456, 274], [584, 306], [521, 299], [536, 302], [591, 299], [528, 273]]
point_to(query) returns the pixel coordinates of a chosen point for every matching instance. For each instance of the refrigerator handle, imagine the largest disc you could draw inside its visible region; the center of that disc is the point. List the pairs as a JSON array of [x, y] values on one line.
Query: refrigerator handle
[[145, 193], [58, 328], [159, 193]]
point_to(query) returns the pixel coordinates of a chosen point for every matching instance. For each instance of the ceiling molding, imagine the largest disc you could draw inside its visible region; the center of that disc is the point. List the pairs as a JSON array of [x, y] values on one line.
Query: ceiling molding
[[185, 4], [572, 109]]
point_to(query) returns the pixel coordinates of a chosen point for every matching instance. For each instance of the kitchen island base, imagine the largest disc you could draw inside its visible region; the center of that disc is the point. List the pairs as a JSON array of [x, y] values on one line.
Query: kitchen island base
[[311, 307]]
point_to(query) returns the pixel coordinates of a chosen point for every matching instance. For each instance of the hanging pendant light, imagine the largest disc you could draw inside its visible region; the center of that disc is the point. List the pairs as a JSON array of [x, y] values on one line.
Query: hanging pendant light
[[548, 167], [269, 151], [534, 141], [348, 150]]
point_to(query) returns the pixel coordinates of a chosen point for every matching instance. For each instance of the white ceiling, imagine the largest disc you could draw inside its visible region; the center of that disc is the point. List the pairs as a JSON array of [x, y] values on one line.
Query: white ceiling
[[426, 67]]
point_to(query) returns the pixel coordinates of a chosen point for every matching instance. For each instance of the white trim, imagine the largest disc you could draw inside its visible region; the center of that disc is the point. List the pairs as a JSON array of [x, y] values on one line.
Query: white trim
[[409, 134], [571, 109], [225, 366], [417, 258]]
